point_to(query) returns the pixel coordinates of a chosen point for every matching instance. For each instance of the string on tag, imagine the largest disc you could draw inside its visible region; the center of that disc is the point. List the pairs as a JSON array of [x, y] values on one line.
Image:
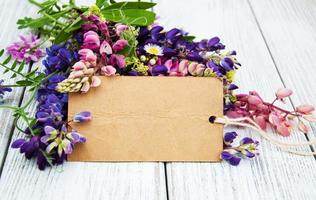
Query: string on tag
[[249, 123]]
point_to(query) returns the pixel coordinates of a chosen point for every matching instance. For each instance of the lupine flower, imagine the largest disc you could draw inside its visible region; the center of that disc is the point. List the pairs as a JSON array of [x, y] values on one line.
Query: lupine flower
[[108, 70], [153, 49], [59, 58], [82, 117], [119, 28], [230, 158], [265, 114], [3, 90], [117, 60], [305, 109], [159, 70], [105, 48], [87, 55], [232, 154], [283, 93], [27, 49], [119, 45], [91, 40], [31, 148], [63, 141]]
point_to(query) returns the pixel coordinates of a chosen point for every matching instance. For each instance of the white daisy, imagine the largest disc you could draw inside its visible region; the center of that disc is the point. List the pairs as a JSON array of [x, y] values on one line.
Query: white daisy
[[153, 49]]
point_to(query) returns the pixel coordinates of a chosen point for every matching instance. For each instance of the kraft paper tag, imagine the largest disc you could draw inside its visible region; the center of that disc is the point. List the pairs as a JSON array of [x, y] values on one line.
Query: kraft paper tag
[[150, 119]]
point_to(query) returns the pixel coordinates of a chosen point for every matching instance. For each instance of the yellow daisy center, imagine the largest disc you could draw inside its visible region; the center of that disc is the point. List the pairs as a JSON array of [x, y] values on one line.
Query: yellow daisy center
[[153, 50]]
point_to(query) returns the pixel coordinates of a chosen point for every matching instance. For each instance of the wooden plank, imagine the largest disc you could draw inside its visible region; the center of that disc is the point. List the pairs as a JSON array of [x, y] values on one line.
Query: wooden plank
[[12, 10], [289, 28], [21, 179], [274, 174]]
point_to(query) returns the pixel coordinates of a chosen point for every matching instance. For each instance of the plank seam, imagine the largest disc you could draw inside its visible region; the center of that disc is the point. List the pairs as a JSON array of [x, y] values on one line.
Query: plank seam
[[166, 179], [274, 62], [12, 129]]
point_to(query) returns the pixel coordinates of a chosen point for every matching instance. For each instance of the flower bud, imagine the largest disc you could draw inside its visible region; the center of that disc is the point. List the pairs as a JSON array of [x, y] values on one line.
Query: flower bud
[[305, 109], [283, 93]]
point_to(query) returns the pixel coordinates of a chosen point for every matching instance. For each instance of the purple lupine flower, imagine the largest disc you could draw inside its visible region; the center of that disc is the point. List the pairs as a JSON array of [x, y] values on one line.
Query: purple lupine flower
[[230, 158], [233, 154], [82, 117], [229, 138], [27, 49], [158, 70], [61, 140], [232, 87], [3, 89]]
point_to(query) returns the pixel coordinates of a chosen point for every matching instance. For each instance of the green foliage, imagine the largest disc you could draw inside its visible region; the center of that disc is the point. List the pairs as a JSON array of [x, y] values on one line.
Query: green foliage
[[130, 5], [130, 36], [137, 17], [31, 78]]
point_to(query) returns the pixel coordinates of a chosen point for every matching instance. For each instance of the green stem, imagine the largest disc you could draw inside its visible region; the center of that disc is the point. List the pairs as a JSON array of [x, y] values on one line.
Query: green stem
[[9, 86], [19, 73], [36, 3], [9, 107]]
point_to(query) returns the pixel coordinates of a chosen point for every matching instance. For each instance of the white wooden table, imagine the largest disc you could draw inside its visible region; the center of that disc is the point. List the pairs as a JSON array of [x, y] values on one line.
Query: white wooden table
[[275, 42]]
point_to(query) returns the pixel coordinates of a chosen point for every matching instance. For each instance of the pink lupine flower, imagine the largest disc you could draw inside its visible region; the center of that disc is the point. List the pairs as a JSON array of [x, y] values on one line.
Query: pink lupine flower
[[261, 121], [284, 128], [96, 81], [85, 87], [91, 40], [118, 60], [305, 109], [119, 28], [26, 49], [119, 45], [179, 69], [196, 69], [254, 100], [283, 93], [106, 48], [87, 55], [108, 70], [79, 66]]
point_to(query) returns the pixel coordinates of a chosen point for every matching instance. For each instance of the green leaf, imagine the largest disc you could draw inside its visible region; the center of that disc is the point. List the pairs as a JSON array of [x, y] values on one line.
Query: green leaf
[[39, 77], [130, 5], [39, 22], [62, 37], [188, 38], [1, 52], [13, 76], [101, 3], [21, 66], [136, 17], [7, 60], [130, 49], [14, 64], [24, 83], [75, 25]]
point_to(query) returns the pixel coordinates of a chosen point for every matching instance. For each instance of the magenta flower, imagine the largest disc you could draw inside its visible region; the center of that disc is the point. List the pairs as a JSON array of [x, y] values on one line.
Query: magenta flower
[[87, 55], [118, 60], [27, 49], [119, 28], [105, 48], [119, 45], [91, 40]]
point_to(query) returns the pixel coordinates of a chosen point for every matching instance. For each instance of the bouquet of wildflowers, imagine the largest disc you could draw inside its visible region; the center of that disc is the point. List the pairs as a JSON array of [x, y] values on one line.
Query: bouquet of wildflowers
[[116, 39]]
